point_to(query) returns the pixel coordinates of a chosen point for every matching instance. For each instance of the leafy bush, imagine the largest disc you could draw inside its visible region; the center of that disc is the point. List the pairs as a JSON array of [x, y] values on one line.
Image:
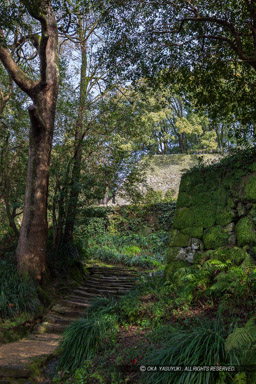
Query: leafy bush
[[17, 294]]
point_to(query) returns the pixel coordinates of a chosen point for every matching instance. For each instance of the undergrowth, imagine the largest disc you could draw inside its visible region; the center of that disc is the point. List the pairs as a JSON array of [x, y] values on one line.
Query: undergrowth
[[17, 294], [180, 325]]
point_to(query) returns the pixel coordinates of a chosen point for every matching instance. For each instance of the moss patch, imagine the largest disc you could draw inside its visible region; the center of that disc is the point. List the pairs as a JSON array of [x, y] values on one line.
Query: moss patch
[[204, 216], [196, 232], [215, 237], [250, 188], [236, 255], [184, 200], [224, 216], [172, 254], [183, 218], [245, 232], [178, 239]]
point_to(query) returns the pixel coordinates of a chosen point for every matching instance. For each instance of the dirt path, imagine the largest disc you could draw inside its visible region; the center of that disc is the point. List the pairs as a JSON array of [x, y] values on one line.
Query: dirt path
[[17, 359]]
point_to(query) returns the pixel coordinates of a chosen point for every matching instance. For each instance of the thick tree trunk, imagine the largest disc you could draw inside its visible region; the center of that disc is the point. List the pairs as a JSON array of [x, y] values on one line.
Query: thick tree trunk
[[31, 251]]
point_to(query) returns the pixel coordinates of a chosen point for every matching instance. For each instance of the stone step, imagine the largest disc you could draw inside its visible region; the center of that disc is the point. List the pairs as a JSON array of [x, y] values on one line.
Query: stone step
[[85, 290], [107, 277], [85, 295], [101, 282], [67, 312], [111, 271], [97, 282], [56, 328], [52, 319], [71, 303]]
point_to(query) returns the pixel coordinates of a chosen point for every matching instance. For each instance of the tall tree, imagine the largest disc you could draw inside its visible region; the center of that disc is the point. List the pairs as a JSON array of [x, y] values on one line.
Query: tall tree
[[31, 251], [84, 36]]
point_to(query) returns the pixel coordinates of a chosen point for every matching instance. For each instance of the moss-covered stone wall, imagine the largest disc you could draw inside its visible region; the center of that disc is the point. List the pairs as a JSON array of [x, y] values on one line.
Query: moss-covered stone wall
[[216, 210]]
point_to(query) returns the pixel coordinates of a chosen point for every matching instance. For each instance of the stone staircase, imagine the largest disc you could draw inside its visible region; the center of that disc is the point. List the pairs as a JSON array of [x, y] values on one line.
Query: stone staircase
[[16, 357]]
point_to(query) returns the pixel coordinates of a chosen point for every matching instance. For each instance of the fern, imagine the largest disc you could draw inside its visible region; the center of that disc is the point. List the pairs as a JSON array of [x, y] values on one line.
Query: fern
[[240, 378], [242, 337], [249, 262]]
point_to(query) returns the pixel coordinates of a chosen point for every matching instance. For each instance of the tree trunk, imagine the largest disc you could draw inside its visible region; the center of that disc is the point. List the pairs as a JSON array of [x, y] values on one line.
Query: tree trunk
[[79, 136], [31, 250]]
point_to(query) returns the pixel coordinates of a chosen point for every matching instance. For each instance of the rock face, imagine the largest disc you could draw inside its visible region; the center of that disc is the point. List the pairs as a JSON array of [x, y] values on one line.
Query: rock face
[[163, 172], [216, 210]]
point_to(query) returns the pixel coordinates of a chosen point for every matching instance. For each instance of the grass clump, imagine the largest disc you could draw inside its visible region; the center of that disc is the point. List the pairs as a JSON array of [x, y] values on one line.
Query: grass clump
[[84, 337], [18, 294]]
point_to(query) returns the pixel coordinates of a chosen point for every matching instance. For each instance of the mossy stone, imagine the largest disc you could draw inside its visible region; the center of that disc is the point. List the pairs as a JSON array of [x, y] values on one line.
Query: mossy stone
[[185, 183], [184, 200], [250, 188], [215, 237], [221, 196], [172, 253], [204, 216], [196, 232], [245, 232], [252, 213], [183, 218], [224, 216], [201, 197], [178, 239], [230, 202]]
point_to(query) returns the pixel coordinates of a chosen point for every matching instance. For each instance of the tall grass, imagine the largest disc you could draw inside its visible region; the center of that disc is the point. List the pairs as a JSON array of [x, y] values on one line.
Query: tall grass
[[203, 345], [83, 338], [17, 293]]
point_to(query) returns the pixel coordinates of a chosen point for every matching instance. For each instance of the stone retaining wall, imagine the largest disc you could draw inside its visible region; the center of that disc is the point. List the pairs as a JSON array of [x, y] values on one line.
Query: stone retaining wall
[[216, 210]]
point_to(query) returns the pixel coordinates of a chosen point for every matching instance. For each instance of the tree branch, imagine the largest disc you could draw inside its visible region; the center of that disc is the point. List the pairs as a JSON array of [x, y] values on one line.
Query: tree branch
[[224, 23], [16, 73]]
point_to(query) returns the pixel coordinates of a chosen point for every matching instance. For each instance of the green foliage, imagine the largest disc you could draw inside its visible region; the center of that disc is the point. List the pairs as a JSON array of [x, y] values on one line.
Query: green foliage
[[215, 237], [203, 344], [250, 188], [245, 232], [129, 235], [153, 197], [83, 338], [242, 338], [178, 239], [17, 294]]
